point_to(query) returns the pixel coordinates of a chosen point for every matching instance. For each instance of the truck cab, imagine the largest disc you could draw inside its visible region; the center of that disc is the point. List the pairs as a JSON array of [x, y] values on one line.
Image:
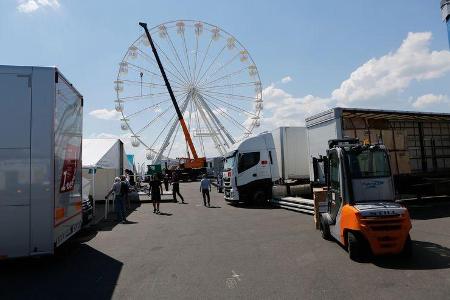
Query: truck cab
[[250, 169], [362, 213]]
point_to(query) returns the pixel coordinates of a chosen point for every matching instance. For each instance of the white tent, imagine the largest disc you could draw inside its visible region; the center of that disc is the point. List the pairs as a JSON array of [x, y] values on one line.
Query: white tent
[[103, 159]]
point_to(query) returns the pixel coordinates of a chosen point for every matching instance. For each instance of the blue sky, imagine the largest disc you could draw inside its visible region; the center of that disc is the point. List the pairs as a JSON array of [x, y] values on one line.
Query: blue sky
[[318, 44]]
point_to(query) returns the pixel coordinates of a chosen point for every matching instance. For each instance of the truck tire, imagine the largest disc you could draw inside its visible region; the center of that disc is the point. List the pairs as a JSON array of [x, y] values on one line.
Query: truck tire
[[325, 229], [355, 247], [407, 248], [259, 198]]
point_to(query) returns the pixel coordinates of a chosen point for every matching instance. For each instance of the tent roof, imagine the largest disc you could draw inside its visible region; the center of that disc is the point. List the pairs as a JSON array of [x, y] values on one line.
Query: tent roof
[[95, 149]]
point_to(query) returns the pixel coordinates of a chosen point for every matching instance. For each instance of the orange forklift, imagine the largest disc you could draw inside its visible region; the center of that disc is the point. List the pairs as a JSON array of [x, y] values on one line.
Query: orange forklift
[[188, 168], [362, 214]]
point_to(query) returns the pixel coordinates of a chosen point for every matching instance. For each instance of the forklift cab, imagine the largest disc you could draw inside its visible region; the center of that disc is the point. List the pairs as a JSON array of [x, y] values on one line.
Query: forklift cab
[[360, 188]]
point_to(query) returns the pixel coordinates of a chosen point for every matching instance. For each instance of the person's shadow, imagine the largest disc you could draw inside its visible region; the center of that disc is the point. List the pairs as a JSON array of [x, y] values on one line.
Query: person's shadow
[[425, 256], [165, 214], [212, 206]]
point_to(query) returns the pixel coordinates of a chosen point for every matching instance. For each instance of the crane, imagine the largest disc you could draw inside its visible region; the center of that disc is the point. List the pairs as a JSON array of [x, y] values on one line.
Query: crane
[[188, 164]]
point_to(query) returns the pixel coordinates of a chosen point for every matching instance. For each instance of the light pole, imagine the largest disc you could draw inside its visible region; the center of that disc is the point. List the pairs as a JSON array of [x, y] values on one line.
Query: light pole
[[445, 9]]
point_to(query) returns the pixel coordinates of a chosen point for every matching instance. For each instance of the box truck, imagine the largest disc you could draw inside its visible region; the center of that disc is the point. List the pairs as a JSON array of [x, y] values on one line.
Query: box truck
[[40, 160]]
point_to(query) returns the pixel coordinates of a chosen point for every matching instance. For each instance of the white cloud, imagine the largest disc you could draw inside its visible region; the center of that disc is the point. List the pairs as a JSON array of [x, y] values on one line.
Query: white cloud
[[287, 110], [412, 61], [105, 114], [30, 6], [286, 79], [429, 99]]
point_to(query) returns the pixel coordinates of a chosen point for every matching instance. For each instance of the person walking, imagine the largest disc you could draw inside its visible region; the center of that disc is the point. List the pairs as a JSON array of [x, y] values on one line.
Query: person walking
[[219, 183], [205, 188], [118, 189], [166, 182], [156, 191], [176, 188]]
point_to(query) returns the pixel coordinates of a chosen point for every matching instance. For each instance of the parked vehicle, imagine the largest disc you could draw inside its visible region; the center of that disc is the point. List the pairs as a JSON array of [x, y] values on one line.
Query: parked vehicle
[[418, 144], [251, 169], [40, 160], [362, 214]]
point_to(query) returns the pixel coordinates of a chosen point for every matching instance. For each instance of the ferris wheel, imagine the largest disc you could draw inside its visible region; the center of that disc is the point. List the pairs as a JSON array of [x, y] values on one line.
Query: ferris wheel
[[214, 80]]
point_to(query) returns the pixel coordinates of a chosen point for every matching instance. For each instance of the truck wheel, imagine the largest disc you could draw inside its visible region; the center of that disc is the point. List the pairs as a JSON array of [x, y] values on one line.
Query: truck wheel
[[355, 247], [259, 198], [407, 248], [325, 230]]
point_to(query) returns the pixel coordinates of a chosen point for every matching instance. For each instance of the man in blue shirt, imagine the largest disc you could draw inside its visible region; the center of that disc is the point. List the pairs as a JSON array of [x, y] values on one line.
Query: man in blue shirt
[[205, 188]]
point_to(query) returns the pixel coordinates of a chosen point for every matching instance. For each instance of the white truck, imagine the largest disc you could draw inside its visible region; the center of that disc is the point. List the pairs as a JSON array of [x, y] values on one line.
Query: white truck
[[40, 160], [252, 168]]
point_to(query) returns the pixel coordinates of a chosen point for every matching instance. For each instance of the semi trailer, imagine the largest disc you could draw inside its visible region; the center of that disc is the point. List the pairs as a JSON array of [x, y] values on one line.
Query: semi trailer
[[40, 160], [418, 144]]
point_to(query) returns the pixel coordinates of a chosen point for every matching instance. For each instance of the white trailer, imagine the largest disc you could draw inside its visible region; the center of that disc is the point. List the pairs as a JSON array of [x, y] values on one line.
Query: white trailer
[[40, 160], [292, 152]]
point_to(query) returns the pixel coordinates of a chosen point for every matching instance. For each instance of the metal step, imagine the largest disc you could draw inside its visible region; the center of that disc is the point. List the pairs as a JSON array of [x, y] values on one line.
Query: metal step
[[295, 204]]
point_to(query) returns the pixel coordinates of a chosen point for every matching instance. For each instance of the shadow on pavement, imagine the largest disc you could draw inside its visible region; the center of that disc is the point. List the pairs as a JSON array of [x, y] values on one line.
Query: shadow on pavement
[[426, 256], [253, 205], [165, 214], [75, 271], [212, 206], [429, 211]]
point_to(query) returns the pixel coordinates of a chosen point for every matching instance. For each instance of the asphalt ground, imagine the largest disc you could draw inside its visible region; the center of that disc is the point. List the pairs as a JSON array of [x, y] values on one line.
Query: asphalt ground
[[229, 252]]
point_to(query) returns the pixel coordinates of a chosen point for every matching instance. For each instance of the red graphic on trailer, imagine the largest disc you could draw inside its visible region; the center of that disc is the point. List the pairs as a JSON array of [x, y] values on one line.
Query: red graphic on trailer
[[69, 169]]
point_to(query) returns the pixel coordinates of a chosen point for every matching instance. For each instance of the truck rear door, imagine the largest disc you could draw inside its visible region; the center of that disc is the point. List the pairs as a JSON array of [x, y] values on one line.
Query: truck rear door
[[15, 164]]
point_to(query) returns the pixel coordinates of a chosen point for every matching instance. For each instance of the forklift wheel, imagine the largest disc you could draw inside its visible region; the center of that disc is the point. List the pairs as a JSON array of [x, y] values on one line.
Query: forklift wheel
[[325, 230], [407, 248], [355, 247]]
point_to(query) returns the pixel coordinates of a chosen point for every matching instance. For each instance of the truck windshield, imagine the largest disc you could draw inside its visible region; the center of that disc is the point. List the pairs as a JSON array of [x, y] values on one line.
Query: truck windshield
[[369, 163], [229, 162]]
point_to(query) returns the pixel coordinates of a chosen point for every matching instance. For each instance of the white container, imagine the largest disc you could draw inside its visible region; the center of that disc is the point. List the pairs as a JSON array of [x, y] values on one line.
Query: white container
[[40, 160], [292, 152]]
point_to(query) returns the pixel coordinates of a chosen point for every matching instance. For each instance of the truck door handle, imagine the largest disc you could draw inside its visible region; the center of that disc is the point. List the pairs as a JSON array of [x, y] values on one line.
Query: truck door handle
[[254, 174]]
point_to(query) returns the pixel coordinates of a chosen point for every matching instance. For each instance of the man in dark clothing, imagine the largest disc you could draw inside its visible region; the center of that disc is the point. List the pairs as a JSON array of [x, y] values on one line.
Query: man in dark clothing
[[176, 188], [156, 191], [166, 182], [205, 188]]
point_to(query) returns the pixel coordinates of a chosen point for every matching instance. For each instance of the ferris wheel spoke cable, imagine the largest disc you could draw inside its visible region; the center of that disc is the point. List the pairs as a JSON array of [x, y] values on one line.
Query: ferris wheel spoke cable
[[163, 129], [145, 108], [196, 56], [160, 50], [137, 82], [168, 70], [246, 83], [232, 95], [141, 69], [153, 120], [227, 76], [236, 108], [145, 96], [212, 63], [222, 67], [174, 50], [187, 58], [225, 114], [203, 60]]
